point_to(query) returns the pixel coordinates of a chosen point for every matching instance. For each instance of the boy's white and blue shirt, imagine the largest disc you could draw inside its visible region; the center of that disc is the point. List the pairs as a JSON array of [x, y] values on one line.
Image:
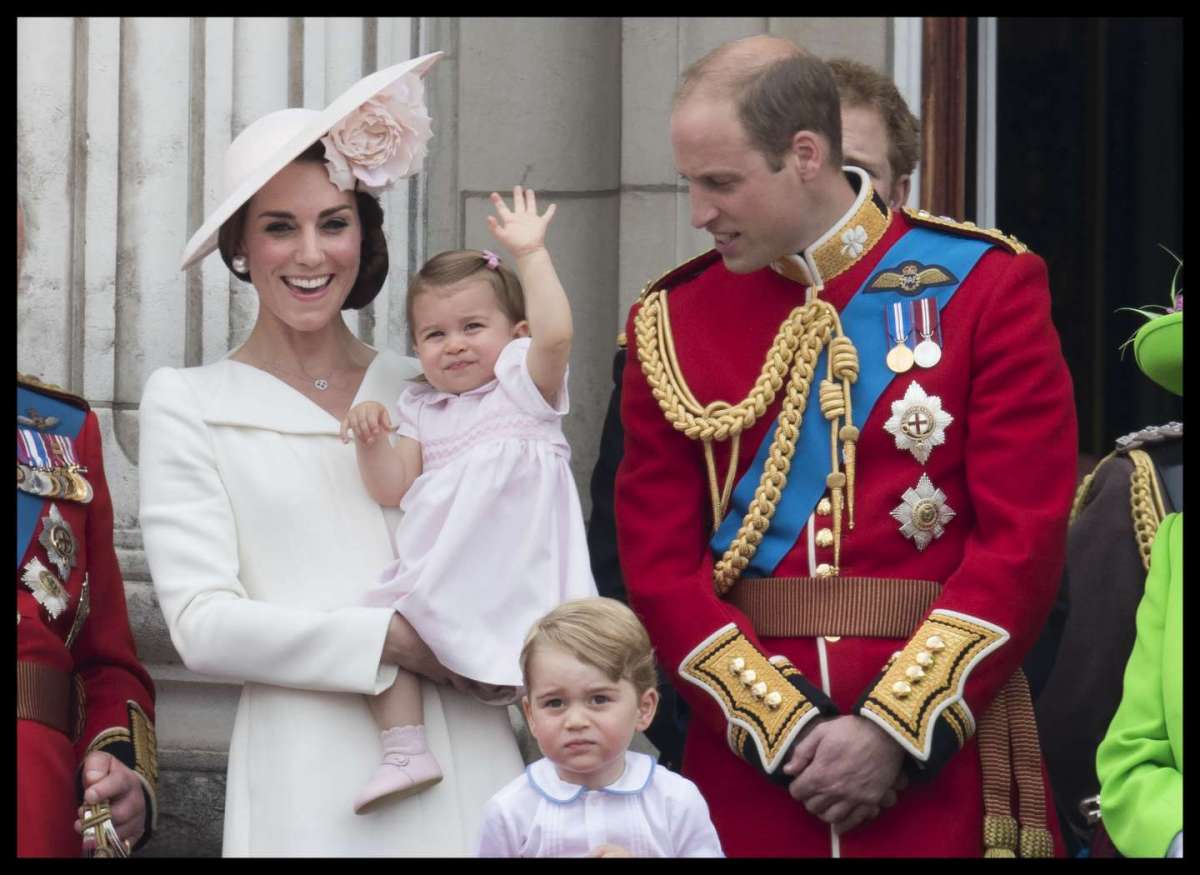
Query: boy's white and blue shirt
[[649, 811]]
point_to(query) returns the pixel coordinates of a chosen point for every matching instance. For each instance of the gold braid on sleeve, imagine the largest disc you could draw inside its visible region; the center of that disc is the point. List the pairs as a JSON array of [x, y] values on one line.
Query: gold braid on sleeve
[[791, 363], [1146, 503], [1085, 487]]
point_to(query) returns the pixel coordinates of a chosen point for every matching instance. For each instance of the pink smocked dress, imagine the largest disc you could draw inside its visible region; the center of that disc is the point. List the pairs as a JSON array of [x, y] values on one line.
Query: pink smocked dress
[[492, 536]]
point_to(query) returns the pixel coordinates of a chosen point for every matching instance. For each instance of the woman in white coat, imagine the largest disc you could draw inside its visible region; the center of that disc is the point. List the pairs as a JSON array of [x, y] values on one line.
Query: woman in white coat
[[260, 536]]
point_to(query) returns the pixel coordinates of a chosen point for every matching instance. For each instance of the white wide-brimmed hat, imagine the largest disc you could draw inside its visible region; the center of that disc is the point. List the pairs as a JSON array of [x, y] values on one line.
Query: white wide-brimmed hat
[[275, 140]]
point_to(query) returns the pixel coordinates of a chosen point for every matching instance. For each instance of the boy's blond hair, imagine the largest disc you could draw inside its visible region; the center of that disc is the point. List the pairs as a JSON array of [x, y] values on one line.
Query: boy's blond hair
[[601, 632]]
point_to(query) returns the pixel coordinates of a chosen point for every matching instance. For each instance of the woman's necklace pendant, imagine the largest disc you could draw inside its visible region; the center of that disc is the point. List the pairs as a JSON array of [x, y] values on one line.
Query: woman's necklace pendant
[[321, 384]]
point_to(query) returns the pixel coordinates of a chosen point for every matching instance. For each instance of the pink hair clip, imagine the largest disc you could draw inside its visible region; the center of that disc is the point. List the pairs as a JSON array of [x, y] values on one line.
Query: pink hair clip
[[493, 260]]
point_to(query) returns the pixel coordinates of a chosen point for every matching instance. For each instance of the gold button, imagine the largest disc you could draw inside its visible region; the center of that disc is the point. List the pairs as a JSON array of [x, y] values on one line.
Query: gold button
[[915, 673], [924, 658], [759, 690], [825, 537], [749, 677], [901, 689], [737, 664], [824, 507], [773, 699], [824, 570], [935, 643]]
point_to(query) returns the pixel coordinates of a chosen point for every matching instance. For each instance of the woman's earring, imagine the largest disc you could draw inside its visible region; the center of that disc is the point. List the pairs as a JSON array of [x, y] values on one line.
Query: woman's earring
[[239, 263]]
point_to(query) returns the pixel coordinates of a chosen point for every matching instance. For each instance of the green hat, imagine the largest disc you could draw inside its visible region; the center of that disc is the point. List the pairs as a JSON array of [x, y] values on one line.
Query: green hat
[[1158, 349]]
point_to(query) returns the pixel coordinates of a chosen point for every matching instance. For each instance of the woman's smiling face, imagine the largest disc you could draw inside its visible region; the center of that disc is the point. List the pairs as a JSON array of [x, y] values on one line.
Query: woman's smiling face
[[302, 239]]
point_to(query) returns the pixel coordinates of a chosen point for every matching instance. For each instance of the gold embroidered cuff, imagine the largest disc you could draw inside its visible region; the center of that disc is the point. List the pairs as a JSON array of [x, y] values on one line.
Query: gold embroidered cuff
[[926, 681], [758, 700], [108, 738], [137, 747], [145, 744]]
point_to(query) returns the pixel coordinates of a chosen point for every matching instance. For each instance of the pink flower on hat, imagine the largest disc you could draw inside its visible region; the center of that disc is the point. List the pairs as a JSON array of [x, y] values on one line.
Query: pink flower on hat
[[381, 141]]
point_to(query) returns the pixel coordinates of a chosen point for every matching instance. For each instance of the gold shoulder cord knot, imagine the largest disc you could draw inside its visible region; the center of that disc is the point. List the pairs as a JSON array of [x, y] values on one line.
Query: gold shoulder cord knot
[[791, 359]]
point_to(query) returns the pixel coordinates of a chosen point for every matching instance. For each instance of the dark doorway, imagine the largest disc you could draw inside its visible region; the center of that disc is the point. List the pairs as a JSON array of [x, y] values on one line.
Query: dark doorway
[[1090, 175]]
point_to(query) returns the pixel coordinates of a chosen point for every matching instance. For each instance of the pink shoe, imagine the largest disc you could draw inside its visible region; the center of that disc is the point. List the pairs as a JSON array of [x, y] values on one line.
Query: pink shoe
[[408, 767]]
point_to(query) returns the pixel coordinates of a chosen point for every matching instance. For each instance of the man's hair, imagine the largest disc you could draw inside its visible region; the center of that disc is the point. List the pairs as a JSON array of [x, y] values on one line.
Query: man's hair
[[860, 85], [456, 265], [787, 92], [373, 253], [600, 632]]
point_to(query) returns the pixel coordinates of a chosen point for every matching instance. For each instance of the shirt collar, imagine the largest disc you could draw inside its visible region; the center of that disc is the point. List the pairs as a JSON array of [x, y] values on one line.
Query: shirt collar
[[423, 388], [543, 777], [840, 248]]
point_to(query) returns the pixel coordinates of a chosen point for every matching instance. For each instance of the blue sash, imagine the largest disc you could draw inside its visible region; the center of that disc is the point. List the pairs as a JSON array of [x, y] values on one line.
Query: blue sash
[[70, 423], [863, 320]]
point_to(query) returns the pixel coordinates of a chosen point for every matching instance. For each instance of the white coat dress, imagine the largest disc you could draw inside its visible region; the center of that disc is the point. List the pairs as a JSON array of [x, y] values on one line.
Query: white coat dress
[[261, 542]]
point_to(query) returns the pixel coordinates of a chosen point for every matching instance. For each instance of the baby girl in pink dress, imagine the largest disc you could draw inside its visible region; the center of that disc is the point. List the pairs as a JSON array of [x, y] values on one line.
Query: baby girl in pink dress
[[492, 536]]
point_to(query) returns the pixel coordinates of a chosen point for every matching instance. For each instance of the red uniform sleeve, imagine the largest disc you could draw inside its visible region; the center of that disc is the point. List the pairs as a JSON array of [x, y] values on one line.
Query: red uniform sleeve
[[117, 691], [663, 518], [1020, 457]]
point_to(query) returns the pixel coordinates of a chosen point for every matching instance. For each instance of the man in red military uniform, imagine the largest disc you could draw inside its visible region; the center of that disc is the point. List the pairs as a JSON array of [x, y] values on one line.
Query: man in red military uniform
[[849, 458], [85, 705]]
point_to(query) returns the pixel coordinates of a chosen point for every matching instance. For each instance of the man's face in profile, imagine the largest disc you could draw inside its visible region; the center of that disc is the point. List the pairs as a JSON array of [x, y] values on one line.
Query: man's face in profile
[[752, 211]]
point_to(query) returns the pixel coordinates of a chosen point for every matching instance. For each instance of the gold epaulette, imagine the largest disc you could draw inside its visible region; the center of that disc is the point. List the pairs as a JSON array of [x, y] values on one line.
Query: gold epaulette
[[969, 229], [52, 390], [680, 272]]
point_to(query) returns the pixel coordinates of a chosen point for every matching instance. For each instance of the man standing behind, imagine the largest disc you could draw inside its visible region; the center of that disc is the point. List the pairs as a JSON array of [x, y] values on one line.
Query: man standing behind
[[849, 456], [879, 133]]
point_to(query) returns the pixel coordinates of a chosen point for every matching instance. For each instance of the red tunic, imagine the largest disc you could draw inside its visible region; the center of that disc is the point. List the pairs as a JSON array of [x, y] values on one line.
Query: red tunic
[[103, 655], [1007, 470]]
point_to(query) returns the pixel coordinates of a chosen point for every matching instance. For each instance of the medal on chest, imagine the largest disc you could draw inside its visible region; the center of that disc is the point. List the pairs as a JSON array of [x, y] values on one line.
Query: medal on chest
[[59, 541], [923, 513], [46, 588], [899, 328], [918, 423], [928, 351], [47, 466]]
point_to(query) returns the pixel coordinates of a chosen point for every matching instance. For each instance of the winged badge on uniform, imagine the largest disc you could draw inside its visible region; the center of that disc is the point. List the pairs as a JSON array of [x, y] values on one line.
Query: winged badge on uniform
[[911, 278]]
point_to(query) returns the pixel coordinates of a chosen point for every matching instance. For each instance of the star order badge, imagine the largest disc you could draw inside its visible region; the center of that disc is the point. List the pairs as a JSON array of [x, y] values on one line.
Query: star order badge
[[59, 541], [46, 589], [923, 514], [918, 422]]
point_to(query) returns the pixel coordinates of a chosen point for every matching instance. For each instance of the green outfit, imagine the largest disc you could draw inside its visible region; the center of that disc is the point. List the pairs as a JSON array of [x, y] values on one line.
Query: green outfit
[[1140, 761]]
